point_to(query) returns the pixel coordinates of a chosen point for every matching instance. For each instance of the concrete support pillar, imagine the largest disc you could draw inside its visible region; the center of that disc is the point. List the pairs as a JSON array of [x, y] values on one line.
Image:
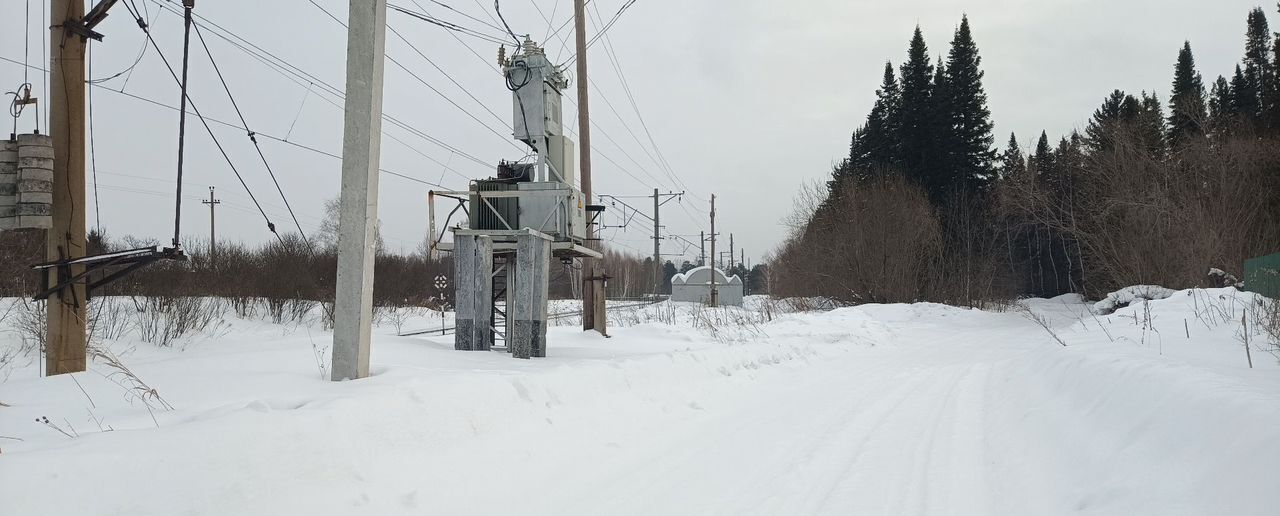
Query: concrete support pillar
[[8, 184], [528, 309], [358, 214], [473, 303], [35, 181]]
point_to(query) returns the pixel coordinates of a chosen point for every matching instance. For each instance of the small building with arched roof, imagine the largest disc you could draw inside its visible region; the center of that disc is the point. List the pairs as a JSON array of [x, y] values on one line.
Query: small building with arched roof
[[694, 286]]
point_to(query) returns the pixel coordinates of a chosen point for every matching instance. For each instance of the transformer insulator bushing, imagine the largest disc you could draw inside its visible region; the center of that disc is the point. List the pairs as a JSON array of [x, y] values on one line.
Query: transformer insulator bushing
[[8, 184], [35, 181]]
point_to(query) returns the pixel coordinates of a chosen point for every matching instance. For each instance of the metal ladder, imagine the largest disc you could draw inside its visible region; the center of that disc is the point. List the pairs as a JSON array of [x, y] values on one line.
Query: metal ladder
[[501, 270]]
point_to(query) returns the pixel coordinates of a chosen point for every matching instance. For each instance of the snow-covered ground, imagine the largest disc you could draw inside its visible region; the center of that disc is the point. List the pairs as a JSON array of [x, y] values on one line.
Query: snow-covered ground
[[878, 409]]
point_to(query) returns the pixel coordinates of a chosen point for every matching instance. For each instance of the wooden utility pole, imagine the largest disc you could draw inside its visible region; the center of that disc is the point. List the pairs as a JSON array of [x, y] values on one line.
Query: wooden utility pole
[[731, 250], [593, 295], [65, 337], [213, 240], [358, 211], [715, 292]]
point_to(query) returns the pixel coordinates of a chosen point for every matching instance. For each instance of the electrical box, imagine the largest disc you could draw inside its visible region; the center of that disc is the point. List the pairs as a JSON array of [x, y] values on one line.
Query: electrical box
[[562, 154], [535, 84], [553, 208]]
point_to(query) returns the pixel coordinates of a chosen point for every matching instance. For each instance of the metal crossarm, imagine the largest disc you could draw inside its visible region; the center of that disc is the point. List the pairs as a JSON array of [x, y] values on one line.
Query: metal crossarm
[[131, 259]]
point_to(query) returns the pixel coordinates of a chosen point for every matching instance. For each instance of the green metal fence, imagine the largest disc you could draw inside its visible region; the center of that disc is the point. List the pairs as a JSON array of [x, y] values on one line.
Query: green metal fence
[[1262, 275]]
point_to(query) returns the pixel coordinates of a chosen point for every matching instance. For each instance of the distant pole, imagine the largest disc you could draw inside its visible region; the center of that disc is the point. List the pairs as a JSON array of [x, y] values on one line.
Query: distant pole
[[731, 250], [657, 249], [65, 337], [715, 292], [702, 253], [358, 211], [213, 240]]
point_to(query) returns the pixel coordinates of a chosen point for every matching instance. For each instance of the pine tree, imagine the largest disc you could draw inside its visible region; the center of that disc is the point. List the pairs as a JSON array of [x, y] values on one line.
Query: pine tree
[[1013, 166], [1187, 114], [971, 155], [915, 135]]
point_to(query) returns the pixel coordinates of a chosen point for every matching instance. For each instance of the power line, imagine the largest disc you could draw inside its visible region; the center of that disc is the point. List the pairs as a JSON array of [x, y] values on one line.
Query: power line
[[196, 111], [603, 30], [448, 25], [424, 82], [616, 64], [251, 135], [308, 80]]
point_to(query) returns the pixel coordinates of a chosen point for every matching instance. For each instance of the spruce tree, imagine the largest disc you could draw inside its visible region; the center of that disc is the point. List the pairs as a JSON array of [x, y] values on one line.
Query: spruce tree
[[880, 138], [971, 157], [1013, 166], [1117, 110], [1271, 92], [1244, 98], [1187, 113], [1257, 74], [1042, 160], [1220, 105], [939, 164], [915, 137], [1150, 125]]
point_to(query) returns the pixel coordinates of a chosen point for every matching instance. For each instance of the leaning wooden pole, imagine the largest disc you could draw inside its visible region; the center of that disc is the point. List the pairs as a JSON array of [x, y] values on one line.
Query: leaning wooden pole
[[65, 339]]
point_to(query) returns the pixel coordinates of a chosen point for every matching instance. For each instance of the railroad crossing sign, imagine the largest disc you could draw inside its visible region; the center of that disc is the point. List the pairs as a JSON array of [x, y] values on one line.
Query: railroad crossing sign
[[442, 282]]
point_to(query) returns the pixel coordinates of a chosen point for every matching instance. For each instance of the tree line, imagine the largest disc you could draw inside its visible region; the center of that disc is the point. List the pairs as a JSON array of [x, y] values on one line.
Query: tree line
[[926, 208]]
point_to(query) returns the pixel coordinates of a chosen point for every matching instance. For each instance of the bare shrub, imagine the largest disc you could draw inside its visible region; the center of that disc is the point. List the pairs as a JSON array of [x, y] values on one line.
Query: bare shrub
[[109, 318], [875, 241], [1138, 217], [162, 319], [30, 322]]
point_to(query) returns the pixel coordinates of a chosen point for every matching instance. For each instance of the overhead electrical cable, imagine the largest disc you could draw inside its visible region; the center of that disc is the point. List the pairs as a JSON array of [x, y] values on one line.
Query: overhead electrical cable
[[447, 25], [196, 111], [252, 136], [505, 138], [262, 134], [308, 80]]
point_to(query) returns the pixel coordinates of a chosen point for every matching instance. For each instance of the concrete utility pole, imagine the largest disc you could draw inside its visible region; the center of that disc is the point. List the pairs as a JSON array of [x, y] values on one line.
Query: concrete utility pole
[[715, 292], [65, 339], [730, 250], [657, 248], [592, 272], [213, 240], [658, 278], [358, 211]]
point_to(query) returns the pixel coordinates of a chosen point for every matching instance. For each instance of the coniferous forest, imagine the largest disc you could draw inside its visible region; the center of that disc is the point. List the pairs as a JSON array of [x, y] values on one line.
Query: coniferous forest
[[1156, 190]]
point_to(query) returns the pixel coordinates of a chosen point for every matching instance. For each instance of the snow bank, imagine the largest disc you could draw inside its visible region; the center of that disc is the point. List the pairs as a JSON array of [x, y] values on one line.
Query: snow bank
[[1127, 295]]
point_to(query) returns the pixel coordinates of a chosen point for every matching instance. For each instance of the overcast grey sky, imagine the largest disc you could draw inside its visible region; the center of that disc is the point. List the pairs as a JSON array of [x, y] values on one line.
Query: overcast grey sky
[[746, 99]]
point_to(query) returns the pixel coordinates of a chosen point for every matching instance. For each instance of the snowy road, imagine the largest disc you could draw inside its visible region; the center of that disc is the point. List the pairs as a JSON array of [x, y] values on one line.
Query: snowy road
[[918, 409]]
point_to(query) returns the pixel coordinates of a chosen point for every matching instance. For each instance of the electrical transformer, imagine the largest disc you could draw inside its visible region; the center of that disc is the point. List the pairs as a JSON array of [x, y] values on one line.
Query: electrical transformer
[[541, 195]]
